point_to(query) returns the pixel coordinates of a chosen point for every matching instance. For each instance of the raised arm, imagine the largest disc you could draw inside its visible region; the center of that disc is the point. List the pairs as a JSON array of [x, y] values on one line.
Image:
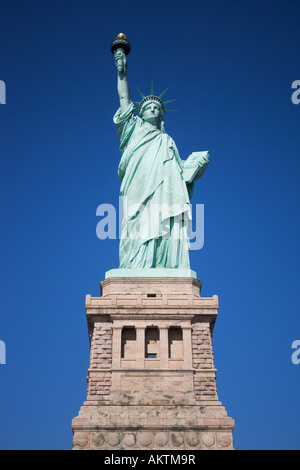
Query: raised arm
[[123, 87]]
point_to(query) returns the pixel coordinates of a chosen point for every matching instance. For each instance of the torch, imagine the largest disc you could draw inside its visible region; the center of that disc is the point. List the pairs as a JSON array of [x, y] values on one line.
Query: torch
[[121, 42]]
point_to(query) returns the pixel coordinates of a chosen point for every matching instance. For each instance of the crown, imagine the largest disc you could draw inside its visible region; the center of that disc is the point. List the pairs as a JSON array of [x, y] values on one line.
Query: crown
[[153, 98]]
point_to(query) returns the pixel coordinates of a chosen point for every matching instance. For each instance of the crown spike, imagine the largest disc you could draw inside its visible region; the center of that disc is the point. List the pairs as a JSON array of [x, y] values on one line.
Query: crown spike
[[170, 101], [160, 96], [152, 89], [142, 94]]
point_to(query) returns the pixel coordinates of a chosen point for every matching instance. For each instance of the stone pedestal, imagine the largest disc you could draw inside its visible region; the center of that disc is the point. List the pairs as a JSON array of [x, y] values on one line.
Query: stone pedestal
[[152, 380]]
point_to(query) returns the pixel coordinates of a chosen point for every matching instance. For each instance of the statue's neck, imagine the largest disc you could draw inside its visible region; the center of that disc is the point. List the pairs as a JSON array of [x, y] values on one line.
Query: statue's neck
[[153, 123]]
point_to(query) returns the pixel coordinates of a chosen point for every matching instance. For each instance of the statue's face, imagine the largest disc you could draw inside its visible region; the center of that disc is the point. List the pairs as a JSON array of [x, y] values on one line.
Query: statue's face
[[152, 113]]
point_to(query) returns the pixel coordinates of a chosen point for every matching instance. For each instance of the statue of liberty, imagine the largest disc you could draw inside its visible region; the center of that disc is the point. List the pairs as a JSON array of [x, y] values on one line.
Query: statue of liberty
[[156, 185]]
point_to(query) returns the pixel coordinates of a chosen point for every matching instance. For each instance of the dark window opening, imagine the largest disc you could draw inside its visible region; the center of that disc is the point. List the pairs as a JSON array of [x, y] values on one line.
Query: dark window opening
[[128, 345], [151, 343], [175, 343]]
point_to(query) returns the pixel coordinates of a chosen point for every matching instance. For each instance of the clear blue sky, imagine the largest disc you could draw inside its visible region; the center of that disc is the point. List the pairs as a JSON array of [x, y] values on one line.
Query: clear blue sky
[[230, 65]]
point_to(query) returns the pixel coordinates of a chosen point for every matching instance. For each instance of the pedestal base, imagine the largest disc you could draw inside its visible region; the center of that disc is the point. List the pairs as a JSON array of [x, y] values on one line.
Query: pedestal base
[[152, 380], [153, 428]]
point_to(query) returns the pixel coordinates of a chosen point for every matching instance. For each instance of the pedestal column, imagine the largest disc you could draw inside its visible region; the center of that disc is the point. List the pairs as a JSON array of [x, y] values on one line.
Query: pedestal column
[[116, 347], [140, 344], [187, 346], [164, 347]]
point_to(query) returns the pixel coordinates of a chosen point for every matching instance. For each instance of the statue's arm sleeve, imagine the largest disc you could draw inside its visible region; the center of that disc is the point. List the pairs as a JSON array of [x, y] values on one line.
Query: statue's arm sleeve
[[126, 123]]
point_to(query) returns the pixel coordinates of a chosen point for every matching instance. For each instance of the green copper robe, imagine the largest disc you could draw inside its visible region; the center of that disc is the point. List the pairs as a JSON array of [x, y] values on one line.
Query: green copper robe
[[157, 212]]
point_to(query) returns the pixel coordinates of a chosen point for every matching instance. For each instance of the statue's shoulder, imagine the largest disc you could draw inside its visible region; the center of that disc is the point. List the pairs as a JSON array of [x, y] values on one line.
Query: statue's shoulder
[[126, 115]]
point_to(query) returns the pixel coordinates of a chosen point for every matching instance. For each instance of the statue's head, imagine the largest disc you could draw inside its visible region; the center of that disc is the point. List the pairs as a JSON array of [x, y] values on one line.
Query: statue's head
[[152, 112], [152, 108]]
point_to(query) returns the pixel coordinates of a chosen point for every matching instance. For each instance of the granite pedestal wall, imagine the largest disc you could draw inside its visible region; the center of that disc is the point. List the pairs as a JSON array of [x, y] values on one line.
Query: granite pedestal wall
[[152, 379]]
